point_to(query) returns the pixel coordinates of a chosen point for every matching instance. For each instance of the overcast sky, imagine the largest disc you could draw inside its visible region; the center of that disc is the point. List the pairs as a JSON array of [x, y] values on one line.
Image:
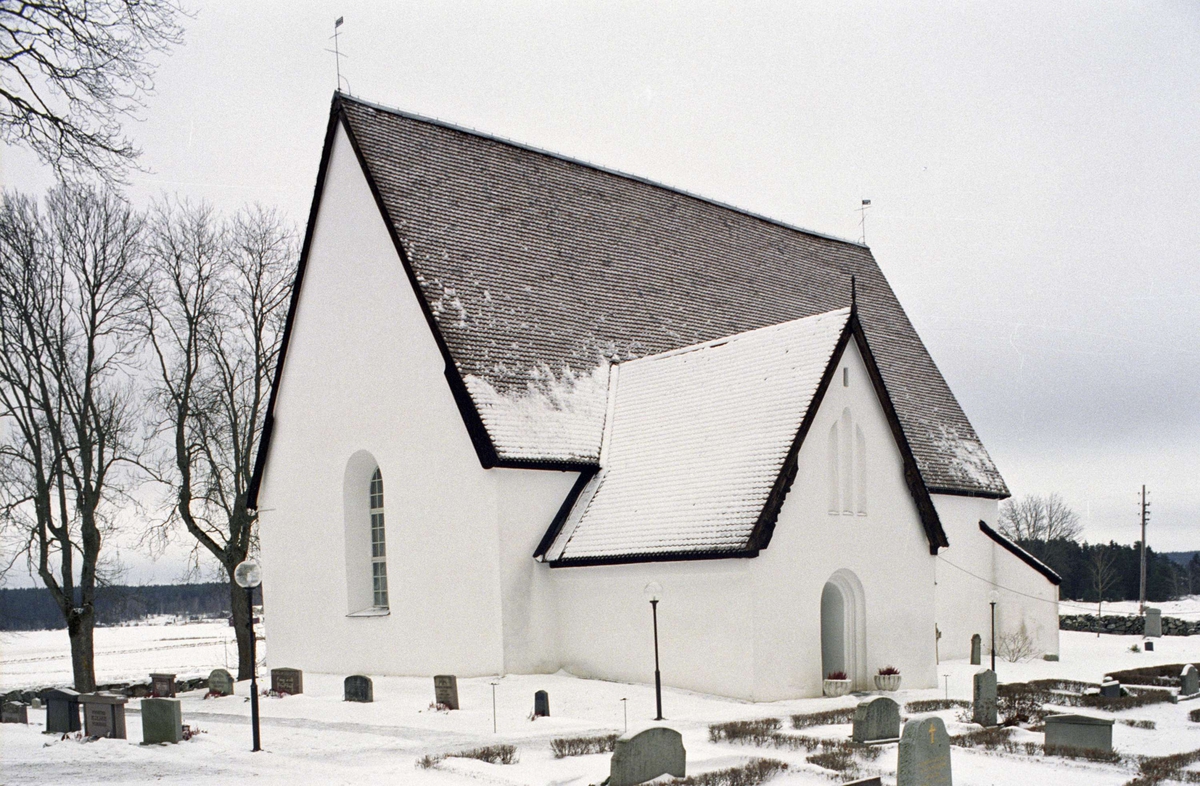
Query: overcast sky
[[1034, 171]]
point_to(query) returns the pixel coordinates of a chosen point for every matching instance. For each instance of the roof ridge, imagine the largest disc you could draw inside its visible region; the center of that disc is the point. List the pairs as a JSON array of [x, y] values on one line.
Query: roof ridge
[[339, 96], [731, 337]]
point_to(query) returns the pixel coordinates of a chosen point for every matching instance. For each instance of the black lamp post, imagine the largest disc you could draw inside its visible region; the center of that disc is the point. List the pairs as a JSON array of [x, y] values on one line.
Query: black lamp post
[[993, 597], [653, 593], [249, 576]]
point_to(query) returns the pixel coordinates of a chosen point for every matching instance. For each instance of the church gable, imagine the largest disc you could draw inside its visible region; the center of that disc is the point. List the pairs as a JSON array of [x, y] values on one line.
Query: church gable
[[700, 448]]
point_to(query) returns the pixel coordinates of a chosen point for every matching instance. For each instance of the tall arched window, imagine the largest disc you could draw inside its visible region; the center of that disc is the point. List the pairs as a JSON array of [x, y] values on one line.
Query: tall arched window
[[378, 544]]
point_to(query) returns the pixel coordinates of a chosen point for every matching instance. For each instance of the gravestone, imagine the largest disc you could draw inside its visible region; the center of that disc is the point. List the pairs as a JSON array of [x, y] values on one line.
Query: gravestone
[[445, 690], [62, 711], [1189, 681], [645, 755], [1110, 689], [162, 685], [876, 720], [220, 682], [162, 721], [14, 712], [924, 755], [358, 688], [1153, 624], [103, 715], [289, 681], [1078, 733], [1050, 656], [1149, 646], [983, 704], [541, 704], [865, 782], [976, 650], [35, 703]]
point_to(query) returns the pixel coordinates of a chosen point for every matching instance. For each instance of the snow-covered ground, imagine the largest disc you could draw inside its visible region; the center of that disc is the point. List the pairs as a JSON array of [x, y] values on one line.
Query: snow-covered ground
[[316, 738], [1187, 608]]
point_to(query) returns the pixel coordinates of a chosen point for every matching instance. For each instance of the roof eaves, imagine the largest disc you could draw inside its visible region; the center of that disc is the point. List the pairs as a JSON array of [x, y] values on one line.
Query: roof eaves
[[665, 556], [1021, 554]]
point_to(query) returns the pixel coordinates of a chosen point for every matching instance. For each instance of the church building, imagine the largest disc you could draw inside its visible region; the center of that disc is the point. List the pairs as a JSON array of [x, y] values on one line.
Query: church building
[[516, 390]]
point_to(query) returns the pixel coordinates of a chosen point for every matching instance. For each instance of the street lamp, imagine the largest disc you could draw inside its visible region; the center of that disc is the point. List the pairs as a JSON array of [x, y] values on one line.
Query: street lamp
[[249, 575], [993, 597], [653, 593]]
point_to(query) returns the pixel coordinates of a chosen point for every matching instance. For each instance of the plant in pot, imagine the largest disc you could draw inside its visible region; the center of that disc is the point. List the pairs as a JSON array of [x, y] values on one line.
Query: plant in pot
[[888, 678], [837, 683]]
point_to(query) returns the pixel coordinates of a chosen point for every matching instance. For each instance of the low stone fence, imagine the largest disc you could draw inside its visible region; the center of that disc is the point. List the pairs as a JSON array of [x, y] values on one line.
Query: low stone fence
[[133, 691], [1125, 626]]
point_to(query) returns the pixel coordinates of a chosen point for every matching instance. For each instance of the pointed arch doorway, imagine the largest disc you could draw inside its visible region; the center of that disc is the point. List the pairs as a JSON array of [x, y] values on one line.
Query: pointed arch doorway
[[844, 628]]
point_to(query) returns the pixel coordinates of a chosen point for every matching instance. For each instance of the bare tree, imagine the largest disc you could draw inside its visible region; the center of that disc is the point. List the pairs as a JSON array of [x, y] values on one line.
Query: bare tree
[[1102, 569], [1037, 521], [69, 284], [71, 70], [214, 316]]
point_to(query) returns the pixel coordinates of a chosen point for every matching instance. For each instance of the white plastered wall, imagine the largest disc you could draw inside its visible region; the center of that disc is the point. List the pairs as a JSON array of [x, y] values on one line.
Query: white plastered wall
[[363, 373], [971, 568]]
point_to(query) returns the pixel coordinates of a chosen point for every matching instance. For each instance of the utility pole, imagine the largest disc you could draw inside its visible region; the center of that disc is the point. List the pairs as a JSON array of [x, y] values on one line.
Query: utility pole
[[1145, 517]]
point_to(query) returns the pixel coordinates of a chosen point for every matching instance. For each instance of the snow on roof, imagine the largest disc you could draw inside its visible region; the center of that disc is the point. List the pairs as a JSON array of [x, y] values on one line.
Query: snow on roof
[[696, 441]]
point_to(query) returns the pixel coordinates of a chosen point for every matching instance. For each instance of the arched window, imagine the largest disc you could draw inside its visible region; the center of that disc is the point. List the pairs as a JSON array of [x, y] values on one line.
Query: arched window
[[378, 544]]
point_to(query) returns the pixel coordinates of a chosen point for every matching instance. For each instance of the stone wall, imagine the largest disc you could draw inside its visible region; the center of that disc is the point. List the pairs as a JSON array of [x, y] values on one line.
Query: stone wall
[[133, 691], [1126, 626]]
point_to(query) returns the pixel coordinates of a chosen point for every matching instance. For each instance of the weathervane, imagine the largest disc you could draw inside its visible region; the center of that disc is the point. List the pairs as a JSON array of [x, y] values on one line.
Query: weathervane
[[862, 220], [337, 54]]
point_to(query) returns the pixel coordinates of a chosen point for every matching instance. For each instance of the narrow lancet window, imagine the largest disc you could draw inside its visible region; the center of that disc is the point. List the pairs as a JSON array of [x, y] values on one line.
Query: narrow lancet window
[[378, 544]]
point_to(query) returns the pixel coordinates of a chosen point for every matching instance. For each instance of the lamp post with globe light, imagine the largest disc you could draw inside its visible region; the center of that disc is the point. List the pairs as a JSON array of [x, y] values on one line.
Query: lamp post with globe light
[[993, 597], [653, 594], [249, 576]]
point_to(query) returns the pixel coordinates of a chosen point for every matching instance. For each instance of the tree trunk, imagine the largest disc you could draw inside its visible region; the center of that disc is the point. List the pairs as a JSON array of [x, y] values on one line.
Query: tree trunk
[[240, 606], [80, 626]]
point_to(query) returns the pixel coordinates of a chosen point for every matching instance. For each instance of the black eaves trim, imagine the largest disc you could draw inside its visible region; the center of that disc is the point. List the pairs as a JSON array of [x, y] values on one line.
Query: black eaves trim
[[564, 511], [670, 556], [1021, 554]]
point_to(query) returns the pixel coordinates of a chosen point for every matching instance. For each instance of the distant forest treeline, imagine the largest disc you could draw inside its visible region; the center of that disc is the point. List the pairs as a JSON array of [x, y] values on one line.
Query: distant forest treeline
[[1167, 575], [34, 608]]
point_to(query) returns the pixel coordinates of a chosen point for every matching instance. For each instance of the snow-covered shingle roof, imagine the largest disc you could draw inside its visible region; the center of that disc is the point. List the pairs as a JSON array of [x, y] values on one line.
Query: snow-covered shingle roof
[[536, 271], [696, 442]]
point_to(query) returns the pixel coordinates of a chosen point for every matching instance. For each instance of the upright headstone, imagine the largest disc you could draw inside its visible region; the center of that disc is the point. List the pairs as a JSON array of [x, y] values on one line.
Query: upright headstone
[[289, 681], [1077, 733], [445, 690], [62, 711], [358, 688], [983, 704], [924, 756], [14, 712], [1153, 625], [103, 715], [1110, 689], [645, 755], [876, 720], [1189, 681], [35, 703], [976, 650], [541, 704], [162, 685], [1149, 646], [162, 721], [220, 682]]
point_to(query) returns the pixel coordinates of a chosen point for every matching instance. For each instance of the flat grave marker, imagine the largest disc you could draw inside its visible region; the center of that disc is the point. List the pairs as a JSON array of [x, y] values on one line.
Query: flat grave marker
[[358, 688], [645, 755], [924, 754], [445, 690]]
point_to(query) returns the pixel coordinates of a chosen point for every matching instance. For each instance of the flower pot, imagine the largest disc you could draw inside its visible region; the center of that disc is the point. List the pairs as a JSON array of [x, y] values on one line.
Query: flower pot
[[887, 681], [835, 688]]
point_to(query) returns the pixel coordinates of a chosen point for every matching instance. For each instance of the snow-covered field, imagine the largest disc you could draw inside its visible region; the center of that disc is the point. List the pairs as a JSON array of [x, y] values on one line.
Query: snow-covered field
[[1187, 608], [316, 738]]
